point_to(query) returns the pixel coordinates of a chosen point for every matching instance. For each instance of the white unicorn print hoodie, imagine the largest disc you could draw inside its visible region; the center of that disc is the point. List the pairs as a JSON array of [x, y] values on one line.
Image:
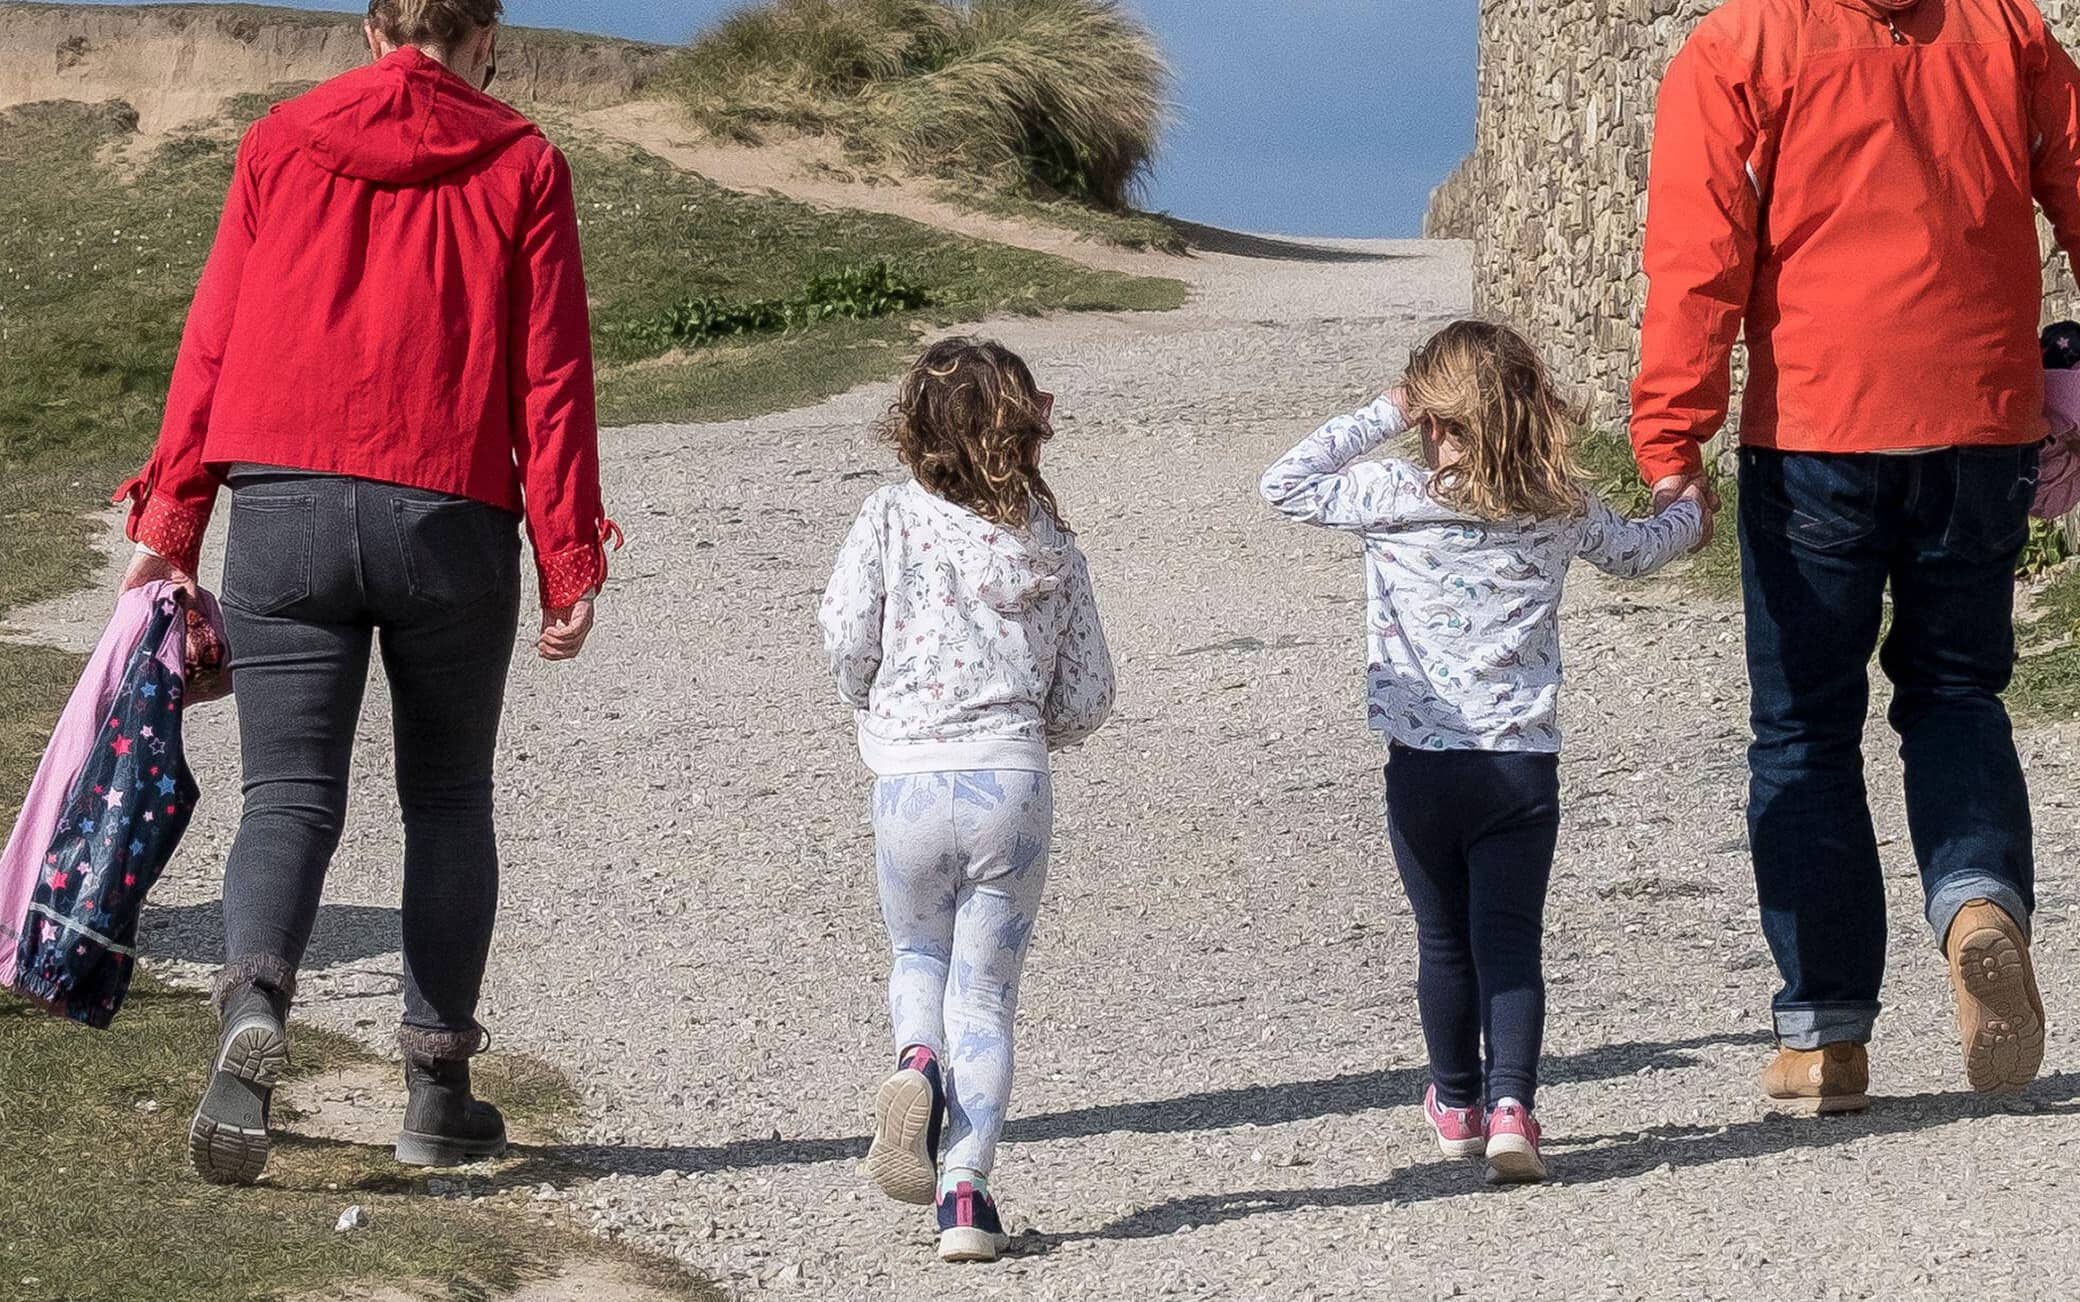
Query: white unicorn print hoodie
[[963, 644], [1463, 615]]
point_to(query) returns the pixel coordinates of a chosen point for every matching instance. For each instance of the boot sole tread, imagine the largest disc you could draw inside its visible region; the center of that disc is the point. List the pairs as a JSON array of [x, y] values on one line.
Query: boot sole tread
[[228, 1141], [1999, 1014]]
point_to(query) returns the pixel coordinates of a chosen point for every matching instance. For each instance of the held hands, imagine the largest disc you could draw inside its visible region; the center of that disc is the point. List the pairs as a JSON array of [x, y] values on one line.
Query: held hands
[[1694, 487], [564, 631]]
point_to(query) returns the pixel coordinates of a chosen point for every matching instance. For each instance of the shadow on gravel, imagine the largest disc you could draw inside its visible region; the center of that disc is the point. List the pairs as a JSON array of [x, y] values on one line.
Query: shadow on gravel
[[346, 933], [1595, 1159], [1213, 239], [1250, 1105]]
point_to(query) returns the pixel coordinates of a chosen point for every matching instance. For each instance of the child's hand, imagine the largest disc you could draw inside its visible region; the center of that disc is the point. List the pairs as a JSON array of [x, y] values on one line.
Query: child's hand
[[1700, 492]]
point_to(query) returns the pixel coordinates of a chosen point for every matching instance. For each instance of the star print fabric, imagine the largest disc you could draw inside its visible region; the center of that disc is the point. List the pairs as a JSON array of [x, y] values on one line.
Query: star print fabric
[[962, 864], [104, 816]]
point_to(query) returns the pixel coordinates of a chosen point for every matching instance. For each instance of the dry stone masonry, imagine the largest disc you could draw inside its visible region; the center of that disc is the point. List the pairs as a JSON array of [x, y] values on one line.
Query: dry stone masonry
[[1554, 196]]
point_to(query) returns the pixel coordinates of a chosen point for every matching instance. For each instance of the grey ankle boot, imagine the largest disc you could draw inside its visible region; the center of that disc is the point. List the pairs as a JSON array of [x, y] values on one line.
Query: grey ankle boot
[[444, 1124], [227, 1141]]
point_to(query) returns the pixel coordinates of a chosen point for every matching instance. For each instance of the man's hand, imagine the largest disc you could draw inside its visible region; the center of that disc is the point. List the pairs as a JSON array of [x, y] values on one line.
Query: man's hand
[[148, 568], [564, 631], [1673, 488]]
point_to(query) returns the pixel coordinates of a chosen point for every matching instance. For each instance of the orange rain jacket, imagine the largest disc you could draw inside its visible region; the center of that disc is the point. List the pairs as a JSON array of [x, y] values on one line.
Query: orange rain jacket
[[1852, 181]]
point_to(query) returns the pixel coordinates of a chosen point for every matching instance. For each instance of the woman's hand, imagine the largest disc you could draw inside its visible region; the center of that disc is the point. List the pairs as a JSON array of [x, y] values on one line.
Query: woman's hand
[[564, 631], [147, 567]]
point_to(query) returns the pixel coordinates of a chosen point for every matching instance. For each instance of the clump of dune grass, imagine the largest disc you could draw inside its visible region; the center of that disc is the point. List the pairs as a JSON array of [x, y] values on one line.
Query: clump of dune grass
[[1061, 96]]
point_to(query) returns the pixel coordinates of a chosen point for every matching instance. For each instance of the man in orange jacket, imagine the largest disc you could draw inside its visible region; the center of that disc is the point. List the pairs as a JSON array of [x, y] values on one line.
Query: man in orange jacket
[[1851, 181]]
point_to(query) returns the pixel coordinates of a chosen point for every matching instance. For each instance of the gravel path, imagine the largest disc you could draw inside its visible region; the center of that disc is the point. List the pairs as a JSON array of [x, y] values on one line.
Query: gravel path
[[1219, 1045]]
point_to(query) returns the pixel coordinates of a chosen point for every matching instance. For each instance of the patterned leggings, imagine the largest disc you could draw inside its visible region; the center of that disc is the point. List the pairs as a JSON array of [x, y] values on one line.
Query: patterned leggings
[[962, 861]]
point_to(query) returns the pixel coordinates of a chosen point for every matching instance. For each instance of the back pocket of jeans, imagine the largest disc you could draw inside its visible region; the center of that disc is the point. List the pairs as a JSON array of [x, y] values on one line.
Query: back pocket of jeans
[[267, 562], [1989, 517], [451, 550]]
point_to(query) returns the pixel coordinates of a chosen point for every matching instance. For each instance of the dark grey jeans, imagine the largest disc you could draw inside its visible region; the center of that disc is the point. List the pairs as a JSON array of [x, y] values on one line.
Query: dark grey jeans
[[317, 567]]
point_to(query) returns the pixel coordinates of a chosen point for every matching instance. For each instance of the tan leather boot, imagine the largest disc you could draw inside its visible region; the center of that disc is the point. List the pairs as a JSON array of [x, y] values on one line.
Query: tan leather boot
[[2000, 1016], [1831, 1078]]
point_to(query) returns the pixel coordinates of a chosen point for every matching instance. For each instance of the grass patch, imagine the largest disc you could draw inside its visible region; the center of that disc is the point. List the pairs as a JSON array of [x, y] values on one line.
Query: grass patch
[[1067, 95], [34, 682], [1608, 465], [101, 1203], [1126, 228], [2047, 673], [857, 293]]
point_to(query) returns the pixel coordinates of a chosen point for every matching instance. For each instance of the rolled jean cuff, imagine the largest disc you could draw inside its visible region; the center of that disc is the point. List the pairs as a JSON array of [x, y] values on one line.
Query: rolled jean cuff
[[1953, 894], [1808, 1026]]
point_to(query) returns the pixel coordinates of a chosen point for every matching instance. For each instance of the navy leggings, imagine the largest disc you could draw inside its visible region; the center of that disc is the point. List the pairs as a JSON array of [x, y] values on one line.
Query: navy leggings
[[1473, 834]]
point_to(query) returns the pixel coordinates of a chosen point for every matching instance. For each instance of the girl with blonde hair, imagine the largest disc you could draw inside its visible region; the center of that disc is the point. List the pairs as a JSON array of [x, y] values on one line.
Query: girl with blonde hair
[[1465, 557]]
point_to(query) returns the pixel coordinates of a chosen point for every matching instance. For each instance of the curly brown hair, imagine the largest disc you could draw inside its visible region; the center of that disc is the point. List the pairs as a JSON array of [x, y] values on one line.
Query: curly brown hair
[[1484, 387], [969, 422]]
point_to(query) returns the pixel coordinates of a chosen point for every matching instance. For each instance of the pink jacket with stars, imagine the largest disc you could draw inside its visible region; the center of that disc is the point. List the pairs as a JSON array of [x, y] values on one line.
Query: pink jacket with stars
[[104, 813]]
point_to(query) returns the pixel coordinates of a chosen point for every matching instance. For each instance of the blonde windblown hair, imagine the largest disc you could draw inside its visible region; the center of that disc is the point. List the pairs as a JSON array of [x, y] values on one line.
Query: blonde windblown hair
[[1485, 389], [439, 23], [969, 423]]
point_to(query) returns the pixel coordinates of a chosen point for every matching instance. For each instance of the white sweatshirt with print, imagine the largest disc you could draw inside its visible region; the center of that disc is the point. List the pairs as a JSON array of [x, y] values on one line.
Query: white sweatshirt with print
[[960, 643], [1463, 622]]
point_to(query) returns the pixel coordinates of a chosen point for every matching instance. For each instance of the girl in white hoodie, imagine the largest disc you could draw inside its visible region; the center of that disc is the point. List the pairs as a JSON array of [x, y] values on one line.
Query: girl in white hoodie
[[961, 627]]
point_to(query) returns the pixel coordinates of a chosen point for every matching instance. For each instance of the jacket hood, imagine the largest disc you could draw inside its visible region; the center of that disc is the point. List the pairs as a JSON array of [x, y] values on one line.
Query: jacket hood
[[1008, 569], [401, 121]]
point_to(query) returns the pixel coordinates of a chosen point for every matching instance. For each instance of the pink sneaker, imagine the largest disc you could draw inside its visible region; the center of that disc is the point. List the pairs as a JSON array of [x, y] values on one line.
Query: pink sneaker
[[1460, 1131], [1513, 1156]]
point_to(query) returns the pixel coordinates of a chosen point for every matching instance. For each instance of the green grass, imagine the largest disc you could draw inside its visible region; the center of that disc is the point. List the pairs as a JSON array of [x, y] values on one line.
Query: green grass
[[1608, 465], [1065, 95], [2047, 675], [97, 266], [1126, 228], [101, 1203]]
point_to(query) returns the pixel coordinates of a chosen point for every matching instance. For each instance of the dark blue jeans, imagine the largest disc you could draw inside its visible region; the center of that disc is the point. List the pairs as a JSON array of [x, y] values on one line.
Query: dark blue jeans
[[1821, 537], [1473, 833]]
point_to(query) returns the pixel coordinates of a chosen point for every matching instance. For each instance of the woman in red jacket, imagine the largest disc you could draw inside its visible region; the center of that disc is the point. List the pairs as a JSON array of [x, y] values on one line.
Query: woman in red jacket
[[389, 364]]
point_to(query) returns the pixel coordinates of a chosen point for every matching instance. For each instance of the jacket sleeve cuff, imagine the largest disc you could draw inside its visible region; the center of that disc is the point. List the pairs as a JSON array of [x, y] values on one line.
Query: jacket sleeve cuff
[[167, 527], [1658, 464], [576, 573]]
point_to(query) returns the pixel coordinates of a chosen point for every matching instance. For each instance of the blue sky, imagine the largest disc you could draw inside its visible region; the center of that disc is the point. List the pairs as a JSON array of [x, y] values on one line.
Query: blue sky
[[1309, 117]]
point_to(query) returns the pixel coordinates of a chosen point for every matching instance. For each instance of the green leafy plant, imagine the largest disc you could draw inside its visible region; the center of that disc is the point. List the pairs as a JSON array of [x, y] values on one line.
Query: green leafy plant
[[2048, 547], [855, 293]]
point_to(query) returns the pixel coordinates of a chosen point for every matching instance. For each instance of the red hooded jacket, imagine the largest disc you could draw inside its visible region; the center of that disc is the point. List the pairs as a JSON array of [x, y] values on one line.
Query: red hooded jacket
[[395, 294], [1852, 182]]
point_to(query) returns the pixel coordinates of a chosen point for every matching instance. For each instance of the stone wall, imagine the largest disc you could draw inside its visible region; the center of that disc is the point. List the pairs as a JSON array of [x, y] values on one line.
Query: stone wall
[[1455, 206], [1555, 194]]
